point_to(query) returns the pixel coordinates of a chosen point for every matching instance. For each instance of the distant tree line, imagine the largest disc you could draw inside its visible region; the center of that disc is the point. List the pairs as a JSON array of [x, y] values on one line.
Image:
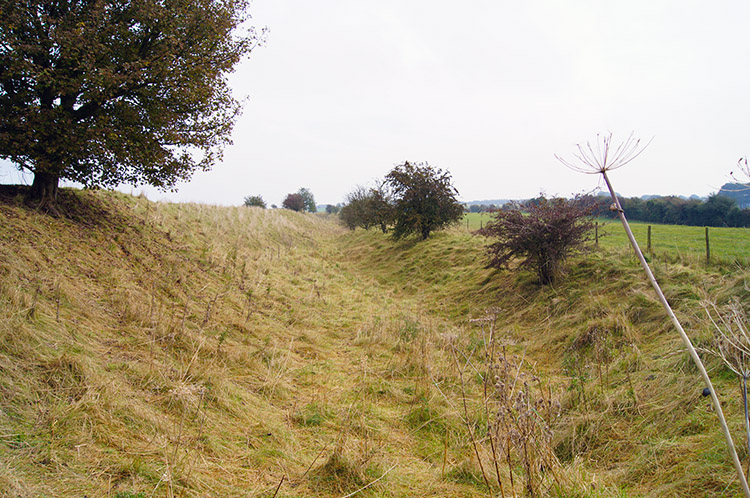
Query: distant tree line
[[716, 211], [483, 208], [302, 200]]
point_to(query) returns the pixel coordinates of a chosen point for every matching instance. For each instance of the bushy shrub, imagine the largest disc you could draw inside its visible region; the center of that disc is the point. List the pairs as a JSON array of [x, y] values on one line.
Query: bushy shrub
[[367, 208], [255, 200], [544, 236]]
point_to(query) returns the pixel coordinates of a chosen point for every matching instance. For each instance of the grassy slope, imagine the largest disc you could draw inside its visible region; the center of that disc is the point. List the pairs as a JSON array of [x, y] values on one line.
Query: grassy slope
[[632, 410], [191, 350], [186, 350]]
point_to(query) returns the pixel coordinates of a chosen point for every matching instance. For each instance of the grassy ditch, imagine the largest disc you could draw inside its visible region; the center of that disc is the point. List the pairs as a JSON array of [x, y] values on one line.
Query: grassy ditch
[[152, 349]]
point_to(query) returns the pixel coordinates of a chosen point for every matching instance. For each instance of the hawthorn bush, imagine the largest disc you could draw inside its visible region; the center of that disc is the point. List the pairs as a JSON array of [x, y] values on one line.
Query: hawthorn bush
[[544, 235], [367, 208], [255, 200]]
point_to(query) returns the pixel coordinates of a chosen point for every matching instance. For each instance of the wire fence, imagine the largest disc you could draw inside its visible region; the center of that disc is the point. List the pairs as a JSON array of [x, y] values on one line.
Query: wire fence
[[694, 244]]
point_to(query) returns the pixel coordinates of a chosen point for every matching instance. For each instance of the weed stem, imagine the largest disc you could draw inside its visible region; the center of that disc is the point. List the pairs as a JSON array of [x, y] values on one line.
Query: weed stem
[[683, 335]]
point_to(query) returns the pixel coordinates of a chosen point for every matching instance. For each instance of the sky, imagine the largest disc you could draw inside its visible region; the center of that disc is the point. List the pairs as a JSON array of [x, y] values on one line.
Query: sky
[[343, 90]]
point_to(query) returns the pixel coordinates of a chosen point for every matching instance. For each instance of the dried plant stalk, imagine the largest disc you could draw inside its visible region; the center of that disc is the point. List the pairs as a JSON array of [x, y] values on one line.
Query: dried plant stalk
[[598, 159], [732, 342]]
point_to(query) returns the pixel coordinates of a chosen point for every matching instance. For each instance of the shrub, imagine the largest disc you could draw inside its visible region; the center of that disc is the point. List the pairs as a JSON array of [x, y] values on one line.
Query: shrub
[[549, 232], [368, 207], [255, 200]]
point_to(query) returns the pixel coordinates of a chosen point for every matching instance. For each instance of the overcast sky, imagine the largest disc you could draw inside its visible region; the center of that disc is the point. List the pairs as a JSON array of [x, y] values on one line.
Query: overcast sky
[[490, 90]]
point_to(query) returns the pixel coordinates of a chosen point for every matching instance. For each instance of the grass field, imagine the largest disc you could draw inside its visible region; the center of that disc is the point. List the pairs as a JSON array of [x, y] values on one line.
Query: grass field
[[151, 349], [727, 245]]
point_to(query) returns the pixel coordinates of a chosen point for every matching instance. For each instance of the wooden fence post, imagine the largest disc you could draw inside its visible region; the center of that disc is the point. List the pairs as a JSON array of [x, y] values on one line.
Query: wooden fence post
[[708, 248], [596, 233], [648, 245]]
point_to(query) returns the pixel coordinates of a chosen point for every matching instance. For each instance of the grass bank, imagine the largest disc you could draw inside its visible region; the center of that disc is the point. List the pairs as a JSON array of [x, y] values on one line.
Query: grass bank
[[154, 349]]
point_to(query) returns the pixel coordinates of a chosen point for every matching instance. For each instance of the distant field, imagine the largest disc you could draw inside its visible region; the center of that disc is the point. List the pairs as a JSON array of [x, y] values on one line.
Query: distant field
[[727, 244], [475, 220]]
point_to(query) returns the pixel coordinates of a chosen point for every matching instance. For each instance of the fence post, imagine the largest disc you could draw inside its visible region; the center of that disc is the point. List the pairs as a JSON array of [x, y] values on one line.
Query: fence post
[[648, 246], [708, 248], [596, 233]]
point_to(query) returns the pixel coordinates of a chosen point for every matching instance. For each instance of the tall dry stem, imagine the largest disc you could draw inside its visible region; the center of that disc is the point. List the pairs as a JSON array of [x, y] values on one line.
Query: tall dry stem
[[598, 159], [469, 426], [732, 346]]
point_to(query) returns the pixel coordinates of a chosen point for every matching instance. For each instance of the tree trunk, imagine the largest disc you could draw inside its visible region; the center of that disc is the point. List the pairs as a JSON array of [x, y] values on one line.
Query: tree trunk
[[44, 190]]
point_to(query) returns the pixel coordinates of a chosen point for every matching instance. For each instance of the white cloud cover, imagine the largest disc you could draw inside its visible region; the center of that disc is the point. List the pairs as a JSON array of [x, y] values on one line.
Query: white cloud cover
[[490, 90]]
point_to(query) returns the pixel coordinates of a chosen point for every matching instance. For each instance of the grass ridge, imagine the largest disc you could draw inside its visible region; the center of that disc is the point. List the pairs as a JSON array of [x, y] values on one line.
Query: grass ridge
[[191, 350]]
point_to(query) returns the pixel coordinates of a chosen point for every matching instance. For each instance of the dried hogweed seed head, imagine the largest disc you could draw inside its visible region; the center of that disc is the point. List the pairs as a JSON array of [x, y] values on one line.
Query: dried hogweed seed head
[[600, 157]]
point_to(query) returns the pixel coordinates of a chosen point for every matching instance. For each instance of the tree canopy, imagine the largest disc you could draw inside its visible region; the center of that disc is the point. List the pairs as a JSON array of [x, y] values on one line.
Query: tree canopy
[[295, 202], [309, 199], [353, 214], [368, 207], [424, 199], [104, 92]]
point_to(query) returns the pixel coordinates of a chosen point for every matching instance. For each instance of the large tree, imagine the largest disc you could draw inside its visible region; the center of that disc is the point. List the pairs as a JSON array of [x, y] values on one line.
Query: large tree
[[424, 199], [104, 92]]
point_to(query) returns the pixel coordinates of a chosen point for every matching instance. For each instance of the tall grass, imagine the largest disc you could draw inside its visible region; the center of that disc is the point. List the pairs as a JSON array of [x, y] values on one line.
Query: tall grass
[[190, 350]]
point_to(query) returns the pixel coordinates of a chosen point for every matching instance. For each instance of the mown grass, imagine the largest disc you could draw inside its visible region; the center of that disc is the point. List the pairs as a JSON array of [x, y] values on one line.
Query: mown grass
[[726, 245], [189, 350]]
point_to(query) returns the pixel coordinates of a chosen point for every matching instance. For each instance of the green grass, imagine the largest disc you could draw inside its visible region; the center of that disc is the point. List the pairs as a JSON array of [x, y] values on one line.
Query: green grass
[[474, 221], [727, 245]]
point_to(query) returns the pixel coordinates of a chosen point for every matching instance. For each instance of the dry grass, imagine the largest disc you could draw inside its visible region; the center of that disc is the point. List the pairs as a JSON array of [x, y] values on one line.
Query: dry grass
[[191, 350], [188, 350]]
